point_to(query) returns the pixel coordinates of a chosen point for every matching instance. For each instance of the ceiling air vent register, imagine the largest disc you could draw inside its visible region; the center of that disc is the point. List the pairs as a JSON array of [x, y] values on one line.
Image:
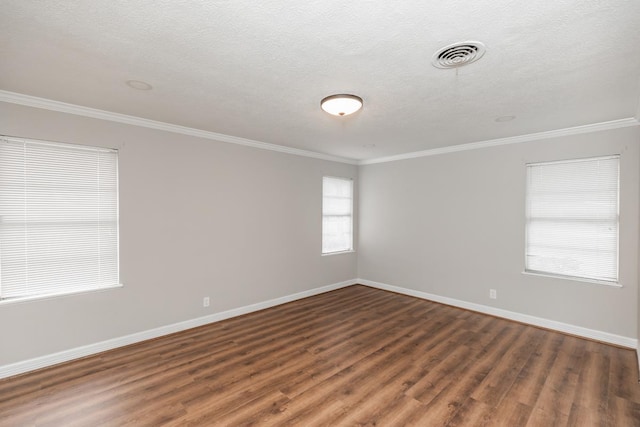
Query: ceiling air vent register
[[458, 54]]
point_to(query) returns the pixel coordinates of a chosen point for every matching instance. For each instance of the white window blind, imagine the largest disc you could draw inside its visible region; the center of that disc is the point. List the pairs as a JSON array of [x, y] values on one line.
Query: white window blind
[[337, 215], [58, 218], [572, 218]]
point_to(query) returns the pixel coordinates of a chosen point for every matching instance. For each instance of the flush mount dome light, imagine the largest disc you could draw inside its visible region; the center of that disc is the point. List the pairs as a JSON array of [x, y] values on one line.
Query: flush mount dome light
[[341, 105]]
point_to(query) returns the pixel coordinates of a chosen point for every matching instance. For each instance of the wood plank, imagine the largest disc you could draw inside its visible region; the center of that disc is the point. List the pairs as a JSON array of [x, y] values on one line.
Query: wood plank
[[354, 356]]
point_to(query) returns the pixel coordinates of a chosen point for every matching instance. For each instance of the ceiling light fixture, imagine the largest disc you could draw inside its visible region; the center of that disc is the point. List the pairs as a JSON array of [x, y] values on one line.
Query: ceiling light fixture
[[505, 119], [341, 105], [139, 85]]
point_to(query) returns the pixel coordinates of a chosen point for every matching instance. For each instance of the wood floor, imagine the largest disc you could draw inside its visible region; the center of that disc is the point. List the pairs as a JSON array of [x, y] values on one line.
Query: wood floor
[[355, 356]]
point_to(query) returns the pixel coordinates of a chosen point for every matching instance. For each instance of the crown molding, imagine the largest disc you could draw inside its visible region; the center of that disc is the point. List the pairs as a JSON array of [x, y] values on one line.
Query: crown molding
[[63, 107], [78, 110], [614, 124]]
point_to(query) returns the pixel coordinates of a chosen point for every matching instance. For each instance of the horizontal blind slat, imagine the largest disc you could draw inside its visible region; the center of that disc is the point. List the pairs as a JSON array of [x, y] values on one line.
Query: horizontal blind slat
[[58, 218], [337, 214], [572, 218]]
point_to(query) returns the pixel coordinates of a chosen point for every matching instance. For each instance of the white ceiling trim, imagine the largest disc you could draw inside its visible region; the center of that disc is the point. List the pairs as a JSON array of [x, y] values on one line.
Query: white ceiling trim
[[613, 124], [63, 107]]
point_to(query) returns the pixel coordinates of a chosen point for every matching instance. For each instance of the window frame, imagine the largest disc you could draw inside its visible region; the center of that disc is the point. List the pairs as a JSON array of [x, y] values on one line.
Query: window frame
[[113, 252], [556, 275], [351, 217]]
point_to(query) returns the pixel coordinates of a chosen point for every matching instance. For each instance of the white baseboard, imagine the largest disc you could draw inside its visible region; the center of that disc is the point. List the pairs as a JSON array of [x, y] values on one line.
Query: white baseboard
[[87, 350], [512, 315]]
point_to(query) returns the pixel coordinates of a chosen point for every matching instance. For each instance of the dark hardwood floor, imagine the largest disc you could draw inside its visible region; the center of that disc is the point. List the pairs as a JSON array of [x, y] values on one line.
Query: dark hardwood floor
[[355, 356]]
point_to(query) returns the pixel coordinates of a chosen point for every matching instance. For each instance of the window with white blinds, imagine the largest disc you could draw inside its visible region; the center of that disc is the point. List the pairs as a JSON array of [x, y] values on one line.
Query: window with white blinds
[[572, 218], [58, 218], [337, 215]]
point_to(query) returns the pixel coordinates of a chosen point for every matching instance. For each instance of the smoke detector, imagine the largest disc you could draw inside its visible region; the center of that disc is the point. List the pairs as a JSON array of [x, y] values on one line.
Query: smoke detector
[[458, 54]]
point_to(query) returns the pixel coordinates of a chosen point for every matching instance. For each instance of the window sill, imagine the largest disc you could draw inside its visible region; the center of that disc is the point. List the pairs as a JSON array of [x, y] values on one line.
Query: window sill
[[339, 252], [572, 278], [18, 300]]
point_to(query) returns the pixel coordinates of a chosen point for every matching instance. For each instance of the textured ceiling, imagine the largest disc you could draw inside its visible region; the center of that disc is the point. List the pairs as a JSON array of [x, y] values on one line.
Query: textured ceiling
[[258, 70]]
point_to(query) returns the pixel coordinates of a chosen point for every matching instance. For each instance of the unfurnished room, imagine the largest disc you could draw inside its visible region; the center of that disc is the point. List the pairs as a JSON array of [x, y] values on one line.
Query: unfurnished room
[[321, 213]]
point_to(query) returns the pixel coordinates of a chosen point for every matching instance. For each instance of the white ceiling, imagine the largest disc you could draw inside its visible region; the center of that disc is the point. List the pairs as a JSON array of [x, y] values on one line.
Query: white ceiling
[[258, 69]]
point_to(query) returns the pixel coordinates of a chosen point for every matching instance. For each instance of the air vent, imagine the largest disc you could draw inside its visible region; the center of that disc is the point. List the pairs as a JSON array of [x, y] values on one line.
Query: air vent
[[458, 54]]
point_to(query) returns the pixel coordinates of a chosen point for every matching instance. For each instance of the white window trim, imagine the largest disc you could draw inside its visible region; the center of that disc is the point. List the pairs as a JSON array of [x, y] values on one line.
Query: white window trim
[[79, 291], [537, 273], [30, 298], [352, 249]]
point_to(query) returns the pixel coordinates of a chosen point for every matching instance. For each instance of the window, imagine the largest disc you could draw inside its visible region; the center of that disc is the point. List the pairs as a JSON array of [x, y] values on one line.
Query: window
[[58, 218], [572, 218], [337, 215]]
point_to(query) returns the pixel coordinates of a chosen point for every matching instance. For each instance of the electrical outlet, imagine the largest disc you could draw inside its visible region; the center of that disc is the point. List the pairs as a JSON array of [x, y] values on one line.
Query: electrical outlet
[[205, 302], [493, 294]]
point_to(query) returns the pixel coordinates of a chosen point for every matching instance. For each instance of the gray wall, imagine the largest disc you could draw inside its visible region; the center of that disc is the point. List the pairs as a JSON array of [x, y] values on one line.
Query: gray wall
[[453, 225], [242, 225], [197, 218]]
